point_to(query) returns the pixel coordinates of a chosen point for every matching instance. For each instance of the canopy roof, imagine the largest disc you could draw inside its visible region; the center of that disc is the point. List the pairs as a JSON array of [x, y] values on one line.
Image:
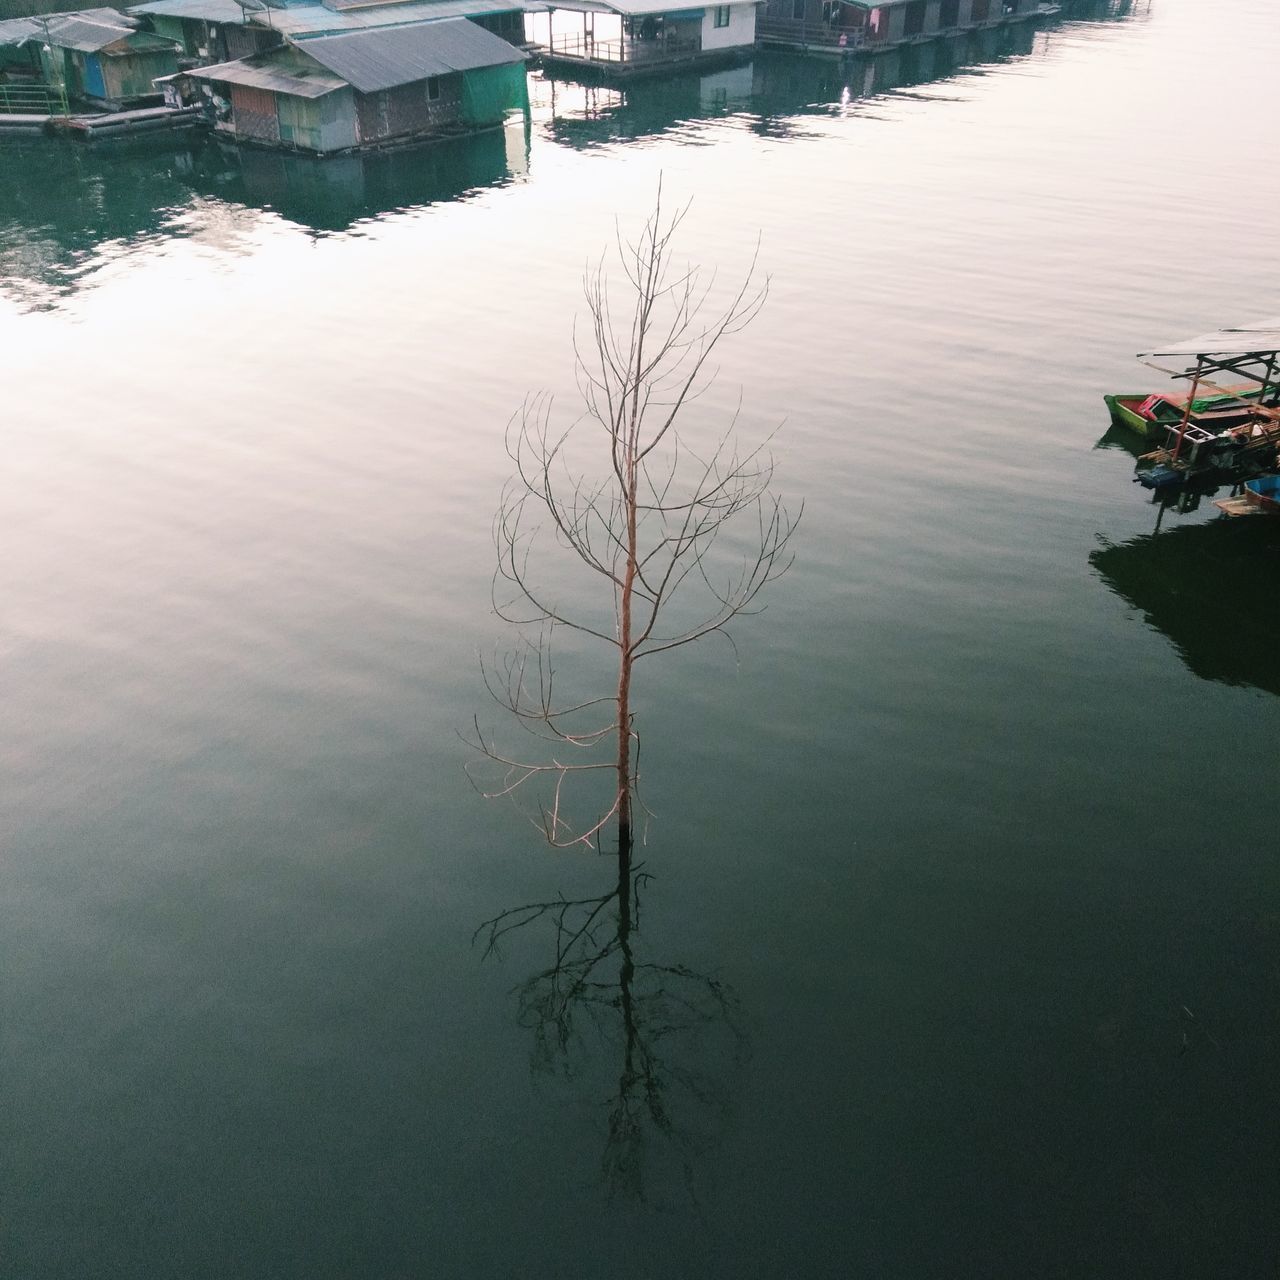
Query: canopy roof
[[1258, 337], [389, 56]]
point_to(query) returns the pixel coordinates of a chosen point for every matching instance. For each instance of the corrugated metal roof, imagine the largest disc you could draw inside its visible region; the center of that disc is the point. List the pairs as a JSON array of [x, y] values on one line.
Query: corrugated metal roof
[[88, 35], [301, 82], [205, 10], [314, 20], [390, 56], [19, 30]]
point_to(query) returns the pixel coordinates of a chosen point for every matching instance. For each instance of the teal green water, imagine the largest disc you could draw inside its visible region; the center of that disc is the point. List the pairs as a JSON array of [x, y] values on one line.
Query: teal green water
[[975, 833]]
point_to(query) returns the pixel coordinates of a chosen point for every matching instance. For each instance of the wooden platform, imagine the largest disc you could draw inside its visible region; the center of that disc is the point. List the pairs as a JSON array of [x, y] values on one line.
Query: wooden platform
[[1238, 507]]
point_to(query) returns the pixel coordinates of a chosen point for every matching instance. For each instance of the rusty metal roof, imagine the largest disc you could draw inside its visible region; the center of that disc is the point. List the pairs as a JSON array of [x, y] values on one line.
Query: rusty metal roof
[[275, 77], [389, 56]]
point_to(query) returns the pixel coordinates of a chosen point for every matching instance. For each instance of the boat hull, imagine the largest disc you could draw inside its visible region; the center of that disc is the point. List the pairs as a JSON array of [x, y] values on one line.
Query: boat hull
[[1264, 493], [1124, 414]]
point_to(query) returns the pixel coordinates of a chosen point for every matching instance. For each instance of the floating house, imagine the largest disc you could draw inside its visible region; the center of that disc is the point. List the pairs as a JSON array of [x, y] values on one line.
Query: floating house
[[852, 26], [371, 88], [92, 56], [622, 38]]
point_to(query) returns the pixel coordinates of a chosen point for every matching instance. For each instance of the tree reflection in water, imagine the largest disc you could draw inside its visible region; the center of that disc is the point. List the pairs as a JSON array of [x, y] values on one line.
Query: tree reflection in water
[[678, 1034]]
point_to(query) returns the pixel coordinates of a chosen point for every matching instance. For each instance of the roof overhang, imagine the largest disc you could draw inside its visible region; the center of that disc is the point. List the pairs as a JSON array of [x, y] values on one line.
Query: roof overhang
[[271, 77]]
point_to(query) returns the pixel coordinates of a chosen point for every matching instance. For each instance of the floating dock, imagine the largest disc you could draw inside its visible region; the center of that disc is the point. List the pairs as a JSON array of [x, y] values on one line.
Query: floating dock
[[86, 128]]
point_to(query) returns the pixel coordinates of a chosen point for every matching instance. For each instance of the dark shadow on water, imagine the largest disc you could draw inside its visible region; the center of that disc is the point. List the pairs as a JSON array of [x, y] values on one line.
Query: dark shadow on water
[[659, 1044], [1210, 588]]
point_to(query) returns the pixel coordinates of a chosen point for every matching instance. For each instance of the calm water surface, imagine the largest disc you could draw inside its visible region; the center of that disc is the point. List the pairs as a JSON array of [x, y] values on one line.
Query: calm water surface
[[973, 843]]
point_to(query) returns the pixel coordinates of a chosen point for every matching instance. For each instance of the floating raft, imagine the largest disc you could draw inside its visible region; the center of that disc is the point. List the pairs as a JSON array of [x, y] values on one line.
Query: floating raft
[[23, 123], [1238, 507], [109, 124]]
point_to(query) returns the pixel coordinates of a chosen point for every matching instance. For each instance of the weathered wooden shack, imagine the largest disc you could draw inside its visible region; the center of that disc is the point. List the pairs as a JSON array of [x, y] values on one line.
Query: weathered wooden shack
[[850, 26], [364, 89], [106, 61], [623, 38], [92, 56]]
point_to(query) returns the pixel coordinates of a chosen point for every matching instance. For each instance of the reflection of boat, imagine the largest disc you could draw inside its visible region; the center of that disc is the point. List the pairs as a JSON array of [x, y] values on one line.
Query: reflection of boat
[[1264, 492], [1205, 587], [1152, 416]]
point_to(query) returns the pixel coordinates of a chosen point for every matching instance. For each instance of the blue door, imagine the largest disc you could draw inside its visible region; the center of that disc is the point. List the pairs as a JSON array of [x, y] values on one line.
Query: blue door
[[93, 85]]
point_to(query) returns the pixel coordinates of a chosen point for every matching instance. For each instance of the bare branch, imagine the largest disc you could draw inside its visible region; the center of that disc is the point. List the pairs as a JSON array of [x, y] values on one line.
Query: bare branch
[[652, 514]]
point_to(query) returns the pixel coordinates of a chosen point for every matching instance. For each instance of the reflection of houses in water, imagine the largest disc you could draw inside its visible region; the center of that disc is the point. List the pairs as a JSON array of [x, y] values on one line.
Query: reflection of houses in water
[[776, 89], [1207, 587], [585, 115], [770, 90], [92, 207], [334, 193], [783, 80], [81, 207]]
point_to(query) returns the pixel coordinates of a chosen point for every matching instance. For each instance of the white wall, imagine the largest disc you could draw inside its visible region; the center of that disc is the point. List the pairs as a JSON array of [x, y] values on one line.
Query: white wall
[[740, 31]]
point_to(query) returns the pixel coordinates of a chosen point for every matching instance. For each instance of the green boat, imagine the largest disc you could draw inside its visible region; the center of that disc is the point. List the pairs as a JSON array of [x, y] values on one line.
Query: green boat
[[1151, 416]]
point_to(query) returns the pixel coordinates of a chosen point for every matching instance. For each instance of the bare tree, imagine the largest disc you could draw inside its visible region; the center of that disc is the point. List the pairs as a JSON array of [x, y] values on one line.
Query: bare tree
[[650, 506]]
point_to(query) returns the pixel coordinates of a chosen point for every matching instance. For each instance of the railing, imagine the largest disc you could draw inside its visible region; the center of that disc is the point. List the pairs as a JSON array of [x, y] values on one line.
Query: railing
[[620, 51], [32, 100], [813, 33]]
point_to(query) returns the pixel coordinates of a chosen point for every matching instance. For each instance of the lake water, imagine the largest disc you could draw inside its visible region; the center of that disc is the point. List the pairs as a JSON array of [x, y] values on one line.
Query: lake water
[[962, 946]]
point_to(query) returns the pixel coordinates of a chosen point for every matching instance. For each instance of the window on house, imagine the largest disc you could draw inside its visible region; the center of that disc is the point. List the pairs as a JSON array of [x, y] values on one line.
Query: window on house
[[433, 88], [722, 15], [797, 10]]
